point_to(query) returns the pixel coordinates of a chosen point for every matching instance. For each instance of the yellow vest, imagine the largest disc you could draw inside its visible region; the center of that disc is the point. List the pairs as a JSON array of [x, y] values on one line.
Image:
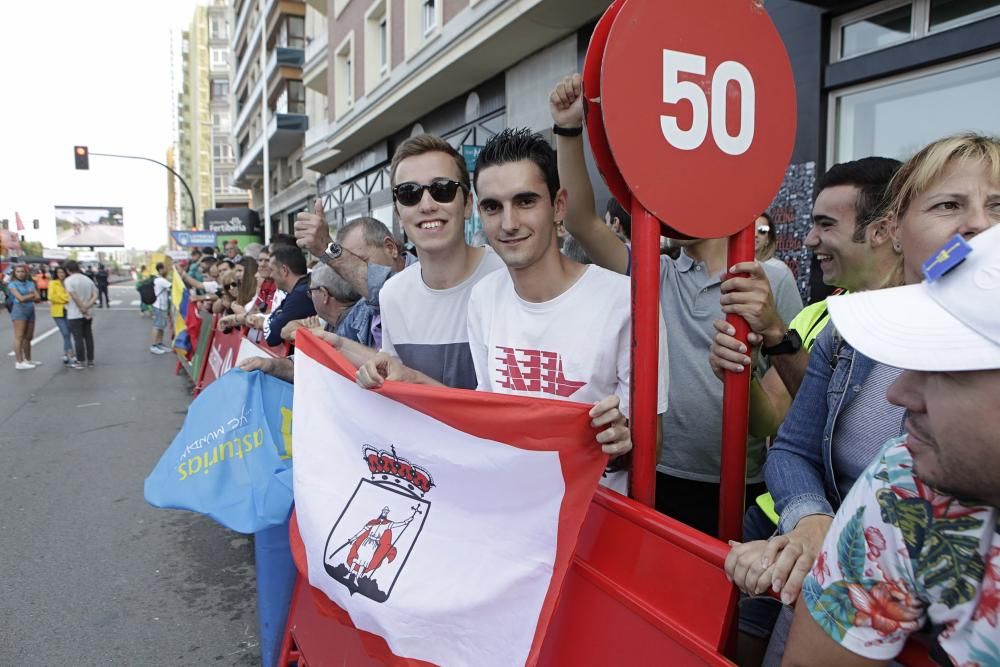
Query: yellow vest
[[58, 297]]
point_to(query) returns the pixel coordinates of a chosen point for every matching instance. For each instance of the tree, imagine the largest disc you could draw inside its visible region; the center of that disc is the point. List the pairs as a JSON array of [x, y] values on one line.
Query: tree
[[33, 248]]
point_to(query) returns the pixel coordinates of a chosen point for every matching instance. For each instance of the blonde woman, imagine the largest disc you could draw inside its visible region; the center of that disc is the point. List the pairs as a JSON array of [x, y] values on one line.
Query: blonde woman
[[58, 297]]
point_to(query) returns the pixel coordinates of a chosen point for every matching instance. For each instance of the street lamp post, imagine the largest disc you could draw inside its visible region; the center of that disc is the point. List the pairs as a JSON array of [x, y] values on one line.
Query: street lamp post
[[194, 209]]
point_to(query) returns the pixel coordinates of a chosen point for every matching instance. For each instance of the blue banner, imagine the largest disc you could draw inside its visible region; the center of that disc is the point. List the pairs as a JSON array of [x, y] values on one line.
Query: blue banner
[[199, 239], [232, 459]]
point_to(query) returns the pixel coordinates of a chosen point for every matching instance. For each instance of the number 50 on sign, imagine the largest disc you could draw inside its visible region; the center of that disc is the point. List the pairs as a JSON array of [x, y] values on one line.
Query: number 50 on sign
[[698, 102]]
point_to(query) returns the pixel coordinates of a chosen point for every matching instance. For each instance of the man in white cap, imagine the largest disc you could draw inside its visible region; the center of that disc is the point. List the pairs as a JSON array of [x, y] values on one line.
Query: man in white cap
[[916, 543]]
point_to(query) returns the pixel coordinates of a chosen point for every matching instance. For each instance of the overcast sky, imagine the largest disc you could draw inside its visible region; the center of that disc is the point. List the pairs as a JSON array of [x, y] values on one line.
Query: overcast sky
[[96, 73]]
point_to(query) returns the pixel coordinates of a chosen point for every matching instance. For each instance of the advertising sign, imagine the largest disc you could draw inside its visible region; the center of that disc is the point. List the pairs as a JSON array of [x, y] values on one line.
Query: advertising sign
[[232, 221], [89, 226], [187, 239]]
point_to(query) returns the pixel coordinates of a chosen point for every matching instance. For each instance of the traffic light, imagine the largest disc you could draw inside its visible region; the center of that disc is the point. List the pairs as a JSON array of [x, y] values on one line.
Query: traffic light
[[82, 156]]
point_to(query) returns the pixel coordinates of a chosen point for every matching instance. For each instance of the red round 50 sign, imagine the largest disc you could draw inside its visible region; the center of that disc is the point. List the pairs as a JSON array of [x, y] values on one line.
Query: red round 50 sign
[[698, 102]]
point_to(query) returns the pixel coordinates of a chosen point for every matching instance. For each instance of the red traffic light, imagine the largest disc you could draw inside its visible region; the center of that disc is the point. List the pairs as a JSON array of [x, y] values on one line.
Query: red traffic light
[[82, 157]]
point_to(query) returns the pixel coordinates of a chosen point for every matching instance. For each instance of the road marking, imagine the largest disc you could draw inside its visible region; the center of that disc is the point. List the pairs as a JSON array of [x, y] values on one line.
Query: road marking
[[38, 338], [115, 302], [88, 405], [136, 302]]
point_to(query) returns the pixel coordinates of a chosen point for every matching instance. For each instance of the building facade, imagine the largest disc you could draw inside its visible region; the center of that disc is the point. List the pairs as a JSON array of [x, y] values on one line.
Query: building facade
[[206, 155], [271, 116], [461, 69]]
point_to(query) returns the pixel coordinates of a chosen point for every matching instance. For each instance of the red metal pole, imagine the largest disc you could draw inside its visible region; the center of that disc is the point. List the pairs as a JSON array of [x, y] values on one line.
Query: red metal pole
[[735, 406], [645, 350]]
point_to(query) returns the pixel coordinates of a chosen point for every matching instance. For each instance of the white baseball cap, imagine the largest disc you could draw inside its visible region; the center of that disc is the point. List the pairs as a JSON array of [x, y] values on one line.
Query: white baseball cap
[[951, 323]]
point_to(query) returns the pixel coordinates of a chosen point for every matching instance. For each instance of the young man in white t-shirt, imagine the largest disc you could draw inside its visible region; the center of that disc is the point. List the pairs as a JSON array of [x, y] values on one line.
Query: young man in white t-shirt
[[424, 307], [548, 326], [161, 288]]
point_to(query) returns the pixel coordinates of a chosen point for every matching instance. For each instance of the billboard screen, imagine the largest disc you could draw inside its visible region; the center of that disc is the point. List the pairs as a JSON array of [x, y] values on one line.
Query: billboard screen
[[89, 226]]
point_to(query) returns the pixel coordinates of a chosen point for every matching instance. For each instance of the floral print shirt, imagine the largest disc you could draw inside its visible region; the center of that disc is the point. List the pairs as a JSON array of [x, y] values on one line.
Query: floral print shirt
[[900, 555]]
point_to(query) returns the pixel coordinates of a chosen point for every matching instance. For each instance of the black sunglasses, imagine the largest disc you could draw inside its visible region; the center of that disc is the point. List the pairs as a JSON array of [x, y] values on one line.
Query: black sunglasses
[[231, 285], [410, 193]]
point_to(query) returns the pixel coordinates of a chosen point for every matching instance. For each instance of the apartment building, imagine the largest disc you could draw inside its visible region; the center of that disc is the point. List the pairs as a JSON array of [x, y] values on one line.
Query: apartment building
[[205, 149], [461, 69], [271, 115]]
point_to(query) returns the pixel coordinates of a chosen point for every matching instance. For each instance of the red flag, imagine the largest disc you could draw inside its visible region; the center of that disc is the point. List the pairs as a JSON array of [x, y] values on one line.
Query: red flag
[[510, 479], [20, 225]]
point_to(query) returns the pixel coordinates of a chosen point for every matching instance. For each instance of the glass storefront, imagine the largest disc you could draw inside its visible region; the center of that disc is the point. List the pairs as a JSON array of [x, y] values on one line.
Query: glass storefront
[[898, 116]]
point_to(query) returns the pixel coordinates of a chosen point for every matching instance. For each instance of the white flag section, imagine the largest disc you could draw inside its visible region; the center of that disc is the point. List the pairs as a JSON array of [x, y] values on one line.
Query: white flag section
[[449, 546]]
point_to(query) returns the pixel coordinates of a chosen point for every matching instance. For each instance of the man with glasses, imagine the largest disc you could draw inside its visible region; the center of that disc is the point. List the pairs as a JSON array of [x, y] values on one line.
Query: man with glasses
[[424, 308], [366, 255]]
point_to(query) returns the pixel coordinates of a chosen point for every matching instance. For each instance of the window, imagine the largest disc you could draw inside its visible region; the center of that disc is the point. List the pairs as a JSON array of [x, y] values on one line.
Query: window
[[896, 117], [223, 180], [344, 77], [945, 14], [220, 121], [292, 98], [376, 60], [876, 32], [219, 58], [429, 17], [218, 27], [222, 151], [293, 32], [891, 22], [220, 89], [383, 44]]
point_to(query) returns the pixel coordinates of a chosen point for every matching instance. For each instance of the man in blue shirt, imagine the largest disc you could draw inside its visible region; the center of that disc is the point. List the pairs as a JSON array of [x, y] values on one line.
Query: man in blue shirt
[[288, 266]]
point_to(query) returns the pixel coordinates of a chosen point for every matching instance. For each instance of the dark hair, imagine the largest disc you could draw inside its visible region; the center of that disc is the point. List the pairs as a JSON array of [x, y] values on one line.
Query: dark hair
[[208, 260], [159, 266], [871, 175], [195, 251], [248, 287], [72, 266], [428, 143], [514, 145], [291, 257], [374, 231], [279, 240], [208, 250], [616, 210]]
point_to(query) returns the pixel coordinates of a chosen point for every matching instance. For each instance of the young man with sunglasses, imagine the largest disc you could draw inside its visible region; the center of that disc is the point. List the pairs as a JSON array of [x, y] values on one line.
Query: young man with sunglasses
[[424, 307]]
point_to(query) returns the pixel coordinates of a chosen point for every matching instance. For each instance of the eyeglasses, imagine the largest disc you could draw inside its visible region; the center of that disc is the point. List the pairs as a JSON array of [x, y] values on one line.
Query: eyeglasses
[[442, 191], [763, 229], [232, 285], [315, 289]]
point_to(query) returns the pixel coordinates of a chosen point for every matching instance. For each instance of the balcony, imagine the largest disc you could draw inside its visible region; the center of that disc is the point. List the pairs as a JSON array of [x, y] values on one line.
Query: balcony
[[285, 132], [314, 72], [252, 54], [284, 63], [318, 5]]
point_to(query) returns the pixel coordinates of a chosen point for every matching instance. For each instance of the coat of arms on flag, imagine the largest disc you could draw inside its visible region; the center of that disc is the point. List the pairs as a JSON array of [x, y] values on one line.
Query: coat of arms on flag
[[369, 560], [473, 582]]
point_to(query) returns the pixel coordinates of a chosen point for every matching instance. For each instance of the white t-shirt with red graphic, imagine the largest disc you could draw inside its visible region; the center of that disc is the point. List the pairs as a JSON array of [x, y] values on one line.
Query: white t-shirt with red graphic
[[574, 347]]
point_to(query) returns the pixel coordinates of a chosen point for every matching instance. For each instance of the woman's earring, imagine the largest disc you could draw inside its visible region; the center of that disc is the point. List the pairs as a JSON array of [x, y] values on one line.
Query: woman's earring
[[897, 247]]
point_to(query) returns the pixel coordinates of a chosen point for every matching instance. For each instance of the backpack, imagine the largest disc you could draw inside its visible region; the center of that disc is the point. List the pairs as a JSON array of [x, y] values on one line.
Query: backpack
[[147, 293]]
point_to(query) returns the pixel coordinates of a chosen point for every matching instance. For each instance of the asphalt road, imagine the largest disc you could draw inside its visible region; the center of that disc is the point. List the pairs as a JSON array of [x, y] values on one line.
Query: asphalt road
[[90, 574]]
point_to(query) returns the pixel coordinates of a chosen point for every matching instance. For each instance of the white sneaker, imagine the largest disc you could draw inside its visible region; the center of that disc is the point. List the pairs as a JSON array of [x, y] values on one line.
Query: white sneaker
[[157, 350], [23, 366], [33, 363]]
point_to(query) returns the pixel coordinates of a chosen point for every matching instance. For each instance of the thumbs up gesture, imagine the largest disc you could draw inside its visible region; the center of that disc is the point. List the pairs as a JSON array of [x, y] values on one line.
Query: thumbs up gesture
[[311, 230]]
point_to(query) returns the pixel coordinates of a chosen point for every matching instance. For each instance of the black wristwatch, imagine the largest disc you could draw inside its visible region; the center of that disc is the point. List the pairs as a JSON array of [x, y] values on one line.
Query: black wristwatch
[[790, 343], [567, 131], [332, 252]]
